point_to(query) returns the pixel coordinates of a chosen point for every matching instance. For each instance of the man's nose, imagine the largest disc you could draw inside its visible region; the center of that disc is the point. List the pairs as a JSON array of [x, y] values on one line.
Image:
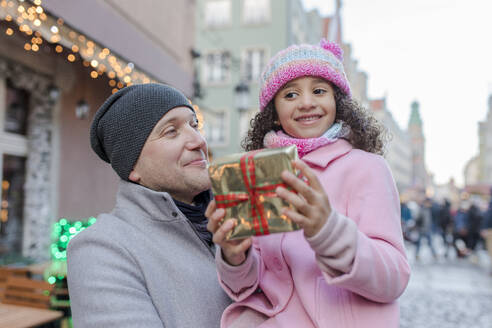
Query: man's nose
[[195, 140]]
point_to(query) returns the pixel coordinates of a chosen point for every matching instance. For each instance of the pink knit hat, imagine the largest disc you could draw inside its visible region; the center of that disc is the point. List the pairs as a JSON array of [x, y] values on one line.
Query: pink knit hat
[[323, 60]]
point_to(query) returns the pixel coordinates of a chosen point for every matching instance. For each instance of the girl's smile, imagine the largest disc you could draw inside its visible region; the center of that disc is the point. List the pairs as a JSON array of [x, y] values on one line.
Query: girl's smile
[[306, 107], [308, 119]]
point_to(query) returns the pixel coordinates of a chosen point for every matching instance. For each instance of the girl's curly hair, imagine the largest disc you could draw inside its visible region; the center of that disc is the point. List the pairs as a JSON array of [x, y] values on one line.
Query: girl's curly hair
[[366, 132]]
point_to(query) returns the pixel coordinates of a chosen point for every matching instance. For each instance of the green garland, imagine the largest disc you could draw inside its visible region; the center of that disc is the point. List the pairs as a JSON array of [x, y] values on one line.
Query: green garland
[[63, 232]]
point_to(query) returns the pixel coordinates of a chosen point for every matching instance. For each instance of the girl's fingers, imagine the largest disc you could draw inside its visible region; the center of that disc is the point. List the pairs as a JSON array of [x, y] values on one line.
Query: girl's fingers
[[219, 236], [292, 198], [243, 246], [298, 185], [296, 217], [214, 220], [210, 208], [234, 252], [309, 174]]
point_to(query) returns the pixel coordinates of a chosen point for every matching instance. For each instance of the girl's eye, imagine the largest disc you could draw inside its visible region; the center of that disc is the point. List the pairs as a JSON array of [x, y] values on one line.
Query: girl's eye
[[290, 95], [319, 91], [194, 124]]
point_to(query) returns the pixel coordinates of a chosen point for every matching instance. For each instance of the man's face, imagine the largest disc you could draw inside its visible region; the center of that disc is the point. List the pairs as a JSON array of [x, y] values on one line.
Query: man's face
[[173, 158]]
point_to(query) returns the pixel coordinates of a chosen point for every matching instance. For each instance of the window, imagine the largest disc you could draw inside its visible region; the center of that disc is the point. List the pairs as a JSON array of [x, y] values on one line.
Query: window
[[16, 110], [12, 205], [217, 66], [256, 11], [217, 13], [253, 64], [215, 128]]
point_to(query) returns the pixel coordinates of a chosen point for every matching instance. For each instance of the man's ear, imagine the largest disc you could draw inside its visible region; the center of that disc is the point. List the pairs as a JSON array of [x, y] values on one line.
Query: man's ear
[[134, 176]]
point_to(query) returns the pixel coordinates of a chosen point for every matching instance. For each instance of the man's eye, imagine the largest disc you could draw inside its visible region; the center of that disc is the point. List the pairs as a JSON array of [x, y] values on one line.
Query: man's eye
[[170, 132], [194, 124]]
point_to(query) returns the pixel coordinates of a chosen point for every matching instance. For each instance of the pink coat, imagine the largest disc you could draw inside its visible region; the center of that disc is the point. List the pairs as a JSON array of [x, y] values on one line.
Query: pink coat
[[292, 281]]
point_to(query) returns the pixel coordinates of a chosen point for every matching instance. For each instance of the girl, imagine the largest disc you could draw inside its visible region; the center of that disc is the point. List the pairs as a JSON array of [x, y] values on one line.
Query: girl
[[347, 266]]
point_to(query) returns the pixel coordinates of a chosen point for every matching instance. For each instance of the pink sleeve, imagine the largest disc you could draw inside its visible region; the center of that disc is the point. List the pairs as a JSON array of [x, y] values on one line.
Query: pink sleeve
[[380, 270], [335, 245], [238, 281]]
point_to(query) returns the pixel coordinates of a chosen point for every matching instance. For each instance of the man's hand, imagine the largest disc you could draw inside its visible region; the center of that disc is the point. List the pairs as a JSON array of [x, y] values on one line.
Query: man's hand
[[233, 251], [311, 202]]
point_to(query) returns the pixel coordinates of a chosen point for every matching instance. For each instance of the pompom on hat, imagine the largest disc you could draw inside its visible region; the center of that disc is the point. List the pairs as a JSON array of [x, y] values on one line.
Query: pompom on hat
[[324, 60]]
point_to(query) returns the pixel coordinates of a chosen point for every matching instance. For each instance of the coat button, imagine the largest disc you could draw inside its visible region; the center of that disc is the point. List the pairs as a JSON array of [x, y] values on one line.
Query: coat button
[[277, 263], [174, 214]]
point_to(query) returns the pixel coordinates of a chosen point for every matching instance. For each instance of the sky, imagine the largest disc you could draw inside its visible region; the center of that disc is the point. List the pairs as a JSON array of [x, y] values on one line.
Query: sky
[[438, 52]]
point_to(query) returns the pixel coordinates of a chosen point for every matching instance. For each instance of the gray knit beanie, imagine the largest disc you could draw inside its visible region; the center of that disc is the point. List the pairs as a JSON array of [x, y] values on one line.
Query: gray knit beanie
[[123, 123]]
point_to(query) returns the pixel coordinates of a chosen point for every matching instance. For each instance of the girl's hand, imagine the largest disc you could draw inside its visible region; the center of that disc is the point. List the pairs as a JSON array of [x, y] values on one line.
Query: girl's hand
[[311, 201], [233, 251]]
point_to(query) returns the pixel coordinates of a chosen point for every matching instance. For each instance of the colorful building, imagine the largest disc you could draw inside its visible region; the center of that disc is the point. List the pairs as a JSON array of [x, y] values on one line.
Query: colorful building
[[235, 40], [399, 149], [59, 60]]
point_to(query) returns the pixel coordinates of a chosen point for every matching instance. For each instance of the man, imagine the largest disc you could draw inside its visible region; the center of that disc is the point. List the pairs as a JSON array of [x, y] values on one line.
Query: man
[[150, 262]]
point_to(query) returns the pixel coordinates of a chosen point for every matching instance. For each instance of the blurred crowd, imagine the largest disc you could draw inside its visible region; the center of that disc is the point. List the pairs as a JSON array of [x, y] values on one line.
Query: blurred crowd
[[464, 227]]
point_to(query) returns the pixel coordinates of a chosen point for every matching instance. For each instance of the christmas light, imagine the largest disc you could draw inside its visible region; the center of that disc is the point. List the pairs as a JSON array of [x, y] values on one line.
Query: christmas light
[[32, 18], [63, 232]]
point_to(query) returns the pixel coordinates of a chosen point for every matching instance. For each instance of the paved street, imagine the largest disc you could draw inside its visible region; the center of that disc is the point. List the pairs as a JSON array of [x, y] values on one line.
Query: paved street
[[448, 292]]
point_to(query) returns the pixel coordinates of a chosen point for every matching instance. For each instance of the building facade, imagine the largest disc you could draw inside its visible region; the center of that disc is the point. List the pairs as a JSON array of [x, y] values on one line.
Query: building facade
[[417, 139], [485, 147], [59, 61], [235, 40], [399, 151], [471, 171]]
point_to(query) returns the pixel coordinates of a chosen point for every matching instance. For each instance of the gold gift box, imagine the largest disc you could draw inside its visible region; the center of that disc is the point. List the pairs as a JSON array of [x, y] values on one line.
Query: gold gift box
[[244, 185]]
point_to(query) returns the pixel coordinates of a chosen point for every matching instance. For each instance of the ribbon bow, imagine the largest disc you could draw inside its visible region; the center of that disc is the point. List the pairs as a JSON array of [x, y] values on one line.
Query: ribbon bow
[[253, 195]]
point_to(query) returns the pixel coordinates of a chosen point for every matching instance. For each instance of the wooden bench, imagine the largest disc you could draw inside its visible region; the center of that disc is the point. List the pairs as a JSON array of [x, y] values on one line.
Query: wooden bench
[[6, 272], [26, 302], [27, 292]]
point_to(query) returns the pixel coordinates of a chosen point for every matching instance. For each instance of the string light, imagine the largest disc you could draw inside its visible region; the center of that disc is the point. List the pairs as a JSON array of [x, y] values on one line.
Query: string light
[[32, 19]]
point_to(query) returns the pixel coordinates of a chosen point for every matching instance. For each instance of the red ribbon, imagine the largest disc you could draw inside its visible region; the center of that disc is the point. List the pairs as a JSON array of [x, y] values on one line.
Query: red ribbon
[[247, 164]]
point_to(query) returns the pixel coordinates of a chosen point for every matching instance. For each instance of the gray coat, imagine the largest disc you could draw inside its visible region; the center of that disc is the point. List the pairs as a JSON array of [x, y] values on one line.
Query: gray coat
[[143, 265]]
